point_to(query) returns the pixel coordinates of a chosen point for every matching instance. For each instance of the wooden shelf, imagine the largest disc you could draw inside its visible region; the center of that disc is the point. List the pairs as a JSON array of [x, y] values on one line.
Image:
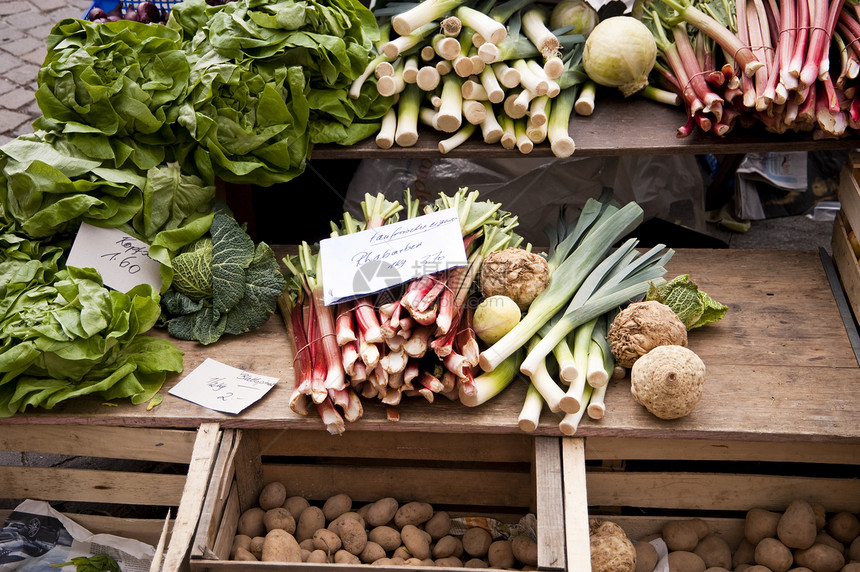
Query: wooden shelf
[[780, 369], [617, 127]]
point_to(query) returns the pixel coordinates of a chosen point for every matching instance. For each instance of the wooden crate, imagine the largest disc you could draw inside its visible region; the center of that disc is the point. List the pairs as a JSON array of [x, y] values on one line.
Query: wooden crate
[[643, 482], [847, 219], [104, 483], [504, 476]]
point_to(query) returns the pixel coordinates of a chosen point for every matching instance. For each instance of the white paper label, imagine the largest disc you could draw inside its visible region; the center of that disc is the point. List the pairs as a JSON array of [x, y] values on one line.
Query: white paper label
[[122, 261], [218, 386], [376, 259]]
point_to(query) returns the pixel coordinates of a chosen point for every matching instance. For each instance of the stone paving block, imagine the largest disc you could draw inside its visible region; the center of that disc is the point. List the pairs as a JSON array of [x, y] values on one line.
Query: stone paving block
[[37, 56], [11, 120], [22, 75], [9, 33], [22, 46], [48, 5], [6, 86], [17, 99], [28, 20], [14, 7], [4, 139]]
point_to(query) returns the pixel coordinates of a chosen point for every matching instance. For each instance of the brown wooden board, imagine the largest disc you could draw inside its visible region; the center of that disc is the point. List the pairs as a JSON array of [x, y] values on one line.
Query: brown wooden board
[[779, 368], [618, 126]]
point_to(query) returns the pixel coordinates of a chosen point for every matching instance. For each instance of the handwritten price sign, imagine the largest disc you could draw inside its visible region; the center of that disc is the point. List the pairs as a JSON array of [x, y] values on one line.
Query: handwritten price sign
[[123, 261], [220, 387]]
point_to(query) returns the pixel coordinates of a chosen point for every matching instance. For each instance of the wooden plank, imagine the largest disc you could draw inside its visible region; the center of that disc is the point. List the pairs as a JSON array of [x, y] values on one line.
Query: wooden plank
[[193, 494], [718, 491], [609, 448], [228, 524], [138, 443], [502, 448], [846, 262], [433, 485], [133, 488], [849, 195], [575, 504], [219, 488], [550, 496], [143, 529]]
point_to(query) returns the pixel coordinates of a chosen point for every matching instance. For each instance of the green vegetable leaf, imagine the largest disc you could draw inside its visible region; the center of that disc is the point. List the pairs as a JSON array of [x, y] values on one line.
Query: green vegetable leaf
[[694, 307], [95, 563]]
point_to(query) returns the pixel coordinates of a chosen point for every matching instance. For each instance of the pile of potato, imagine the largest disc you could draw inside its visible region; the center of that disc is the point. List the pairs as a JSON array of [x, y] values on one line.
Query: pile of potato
[[291, 529], [802, 538]]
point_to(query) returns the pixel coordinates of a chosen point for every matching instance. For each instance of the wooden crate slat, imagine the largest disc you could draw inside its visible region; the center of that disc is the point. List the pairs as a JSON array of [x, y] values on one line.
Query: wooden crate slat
[[575, 504], [718, 491], [53, 483], [503, 448], [221, 487], [193, 492], [228, 524], [146, 530], [550, 496], [436, 486], [729, 529], [609, 448], [137, 443]]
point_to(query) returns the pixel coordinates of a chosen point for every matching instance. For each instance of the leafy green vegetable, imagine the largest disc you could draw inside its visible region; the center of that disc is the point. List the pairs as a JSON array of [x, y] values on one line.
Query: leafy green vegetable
[[94, 563], [222, 284], [694, 307], [63, 334]]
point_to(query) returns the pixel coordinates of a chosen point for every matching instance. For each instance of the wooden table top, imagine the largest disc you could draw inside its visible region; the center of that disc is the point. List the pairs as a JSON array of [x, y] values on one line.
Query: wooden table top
[[780, 367]]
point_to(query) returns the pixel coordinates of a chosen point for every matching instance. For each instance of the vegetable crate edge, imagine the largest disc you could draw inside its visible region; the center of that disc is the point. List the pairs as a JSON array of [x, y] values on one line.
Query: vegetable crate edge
[[499, 476], [846, 249], [109, 472]]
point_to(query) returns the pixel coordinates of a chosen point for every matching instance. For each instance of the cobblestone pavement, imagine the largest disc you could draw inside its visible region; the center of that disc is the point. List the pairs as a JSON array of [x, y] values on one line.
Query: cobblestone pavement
[[24, 28]]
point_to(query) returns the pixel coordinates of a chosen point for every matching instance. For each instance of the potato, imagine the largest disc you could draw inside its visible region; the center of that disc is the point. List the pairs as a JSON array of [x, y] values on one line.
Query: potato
[[685, 561], [346, 516], [714, 551], [311, 520], [475, 563], [279, 517], [318, 557], [820, 558], [393, 561], [447, 546], [416, 541], [307, 544], [400, 552], [243, 555], [352, 534], [796, 527], [854, 550], [823, 538], [646, 556], [844, 527], [760, 523], [273, 495], [501, 554], [251, 522], [281, 546], [851, 567], [717, 569], [413, 562], [372, 551], [744, 553], [385, 536], [476, 541], [414, 513], [305, 553], [680, 535], [381, 512], [701, 527], [449, 562], [256, 546], [820, 515], [774, 554], [328, 540], [345, 557], [756, 568], [799, 569], [336, 505], [525, 549], [439, 525], [745, 567], [240, 541], [296, 504]]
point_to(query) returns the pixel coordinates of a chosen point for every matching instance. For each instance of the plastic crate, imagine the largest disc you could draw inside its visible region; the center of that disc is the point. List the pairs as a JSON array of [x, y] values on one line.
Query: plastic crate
[[108, 5]]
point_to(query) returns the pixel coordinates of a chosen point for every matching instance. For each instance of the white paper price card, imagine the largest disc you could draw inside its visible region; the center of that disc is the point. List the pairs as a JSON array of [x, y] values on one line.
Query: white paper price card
[[376, 259], [221, 387], [123, 261]]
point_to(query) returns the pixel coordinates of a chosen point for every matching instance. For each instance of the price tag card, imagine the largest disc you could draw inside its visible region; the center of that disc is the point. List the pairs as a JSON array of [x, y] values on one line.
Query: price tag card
[[218, 386], [376, 259], [122, 261]]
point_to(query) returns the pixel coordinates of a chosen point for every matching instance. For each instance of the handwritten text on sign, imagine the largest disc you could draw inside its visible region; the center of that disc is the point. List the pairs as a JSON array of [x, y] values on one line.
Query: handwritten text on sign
[[122, 261], [375, 259], [218, 386]]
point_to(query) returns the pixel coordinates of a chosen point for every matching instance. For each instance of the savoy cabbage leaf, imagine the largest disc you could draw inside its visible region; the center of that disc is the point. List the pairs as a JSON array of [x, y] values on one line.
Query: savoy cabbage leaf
[[694, 307], [243, 284]]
